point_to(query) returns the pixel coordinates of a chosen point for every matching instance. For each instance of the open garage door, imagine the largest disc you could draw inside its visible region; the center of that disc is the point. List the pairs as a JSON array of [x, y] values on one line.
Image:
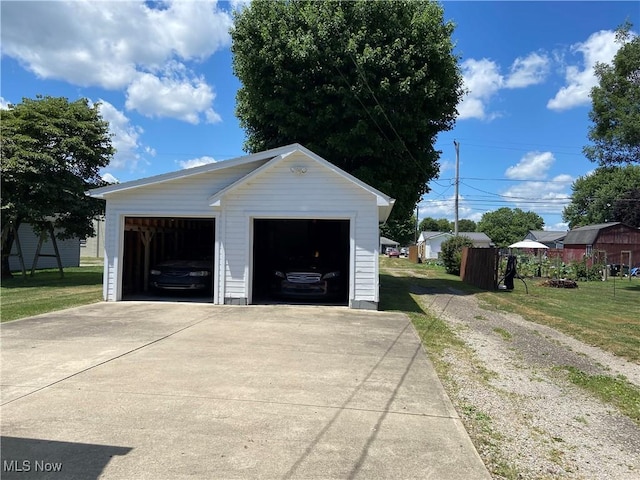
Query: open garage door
[[168, 258], [301, 261]]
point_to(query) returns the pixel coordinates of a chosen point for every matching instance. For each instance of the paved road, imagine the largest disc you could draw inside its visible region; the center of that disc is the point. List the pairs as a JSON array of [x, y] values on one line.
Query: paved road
[[178, 390]]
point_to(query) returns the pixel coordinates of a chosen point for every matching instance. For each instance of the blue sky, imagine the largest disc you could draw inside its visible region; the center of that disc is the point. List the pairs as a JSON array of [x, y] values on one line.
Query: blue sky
[[163, 74]]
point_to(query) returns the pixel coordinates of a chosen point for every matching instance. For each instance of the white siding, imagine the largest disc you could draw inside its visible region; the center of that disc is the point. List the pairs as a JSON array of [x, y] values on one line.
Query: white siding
[[319, 193], [275, 192], [69, 251], [186, 197]]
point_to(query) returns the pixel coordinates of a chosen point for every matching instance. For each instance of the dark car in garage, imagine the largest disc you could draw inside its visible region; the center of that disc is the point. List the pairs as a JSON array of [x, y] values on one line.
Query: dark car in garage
[[300, 279], [186, 275]]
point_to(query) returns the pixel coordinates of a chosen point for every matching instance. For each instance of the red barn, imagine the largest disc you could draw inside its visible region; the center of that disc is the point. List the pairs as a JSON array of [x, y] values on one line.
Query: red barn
[[596, 241]]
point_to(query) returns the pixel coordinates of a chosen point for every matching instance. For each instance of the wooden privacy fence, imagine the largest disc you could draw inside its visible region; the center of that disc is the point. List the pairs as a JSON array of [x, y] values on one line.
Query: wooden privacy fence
[[479, 267]]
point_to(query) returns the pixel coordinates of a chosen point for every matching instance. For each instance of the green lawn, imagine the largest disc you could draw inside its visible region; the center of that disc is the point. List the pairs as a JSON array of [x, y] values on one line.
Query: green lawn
[[604, 314], [46, 291], [599, 313]]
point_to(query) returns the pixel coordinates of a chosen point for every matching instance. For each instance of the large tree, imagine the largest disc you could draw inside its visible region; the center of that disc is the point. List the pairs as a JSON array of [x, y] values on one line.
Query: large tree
[[429, 224], [402, 231], [465, 225], [506, 226], [367, 85], [615, 113], [626, 208], [52, 151], [606, 195]]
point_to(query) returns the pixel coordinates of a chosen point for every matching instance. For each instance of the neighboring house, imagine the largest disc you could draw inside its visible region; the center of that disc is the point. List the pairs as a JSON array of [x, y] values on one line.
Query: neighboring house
[[386, 243], [93, 247], [552, 239], [603, 242], [245, 214], [479, 239], [69, 251], [429, 243]]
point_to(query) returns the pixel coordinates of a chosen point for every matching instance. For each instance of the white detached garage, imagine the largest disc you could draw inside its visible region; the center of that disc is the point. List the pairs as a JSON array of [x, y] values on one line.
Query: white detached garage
[[247, 216]]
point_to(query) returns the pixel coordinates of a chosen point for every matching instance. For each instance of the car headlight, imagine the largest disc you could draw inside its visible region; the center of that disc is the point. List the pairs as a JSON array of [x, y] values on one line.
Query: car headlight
[[199, 273], [278, 273], [155, 272], [330, 275]]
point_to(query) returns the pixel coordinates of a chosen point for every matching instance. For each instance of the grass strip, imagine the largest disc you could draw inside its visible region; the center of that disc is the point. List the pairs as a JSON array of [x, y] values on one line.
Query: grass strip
[[615, 391], [47, 292], [439, 341]]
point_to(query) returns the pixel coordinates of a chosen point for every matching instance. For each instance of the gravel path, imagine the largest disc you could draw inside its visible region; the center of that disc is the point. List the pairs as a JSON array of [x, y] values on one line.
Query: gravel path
[[527, 420]]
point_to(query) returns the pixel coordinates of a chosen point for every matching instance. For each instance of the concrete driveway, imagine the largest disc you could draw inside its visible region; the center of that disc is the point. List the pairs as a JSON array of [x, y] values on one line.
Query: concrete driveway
[[177, 390]]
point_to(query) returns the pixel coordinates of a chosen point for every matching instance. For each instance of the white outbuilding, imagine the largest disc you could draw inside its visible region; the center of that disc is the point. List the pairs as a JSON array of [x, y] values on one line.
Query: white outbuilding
[[248, 216]]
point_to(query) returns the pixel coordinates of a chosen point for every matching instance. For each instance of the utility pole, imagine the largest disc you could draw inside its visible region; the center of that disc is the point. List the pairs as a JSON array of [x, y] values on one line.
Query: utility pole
[[457, 145], [417, 220]]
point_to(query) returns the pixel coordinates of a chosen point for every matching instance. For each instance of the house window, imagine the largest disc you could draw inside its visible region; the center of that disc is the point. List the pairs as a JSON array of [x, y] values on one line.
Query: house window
[[589, 251]]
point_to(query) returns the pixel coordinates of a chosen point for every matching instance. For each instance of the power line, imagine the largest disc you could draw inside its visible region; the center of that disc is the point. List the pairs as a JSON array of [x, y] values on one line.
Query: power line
[[503, 196], [484, 179], [530, 145], [351, 89]]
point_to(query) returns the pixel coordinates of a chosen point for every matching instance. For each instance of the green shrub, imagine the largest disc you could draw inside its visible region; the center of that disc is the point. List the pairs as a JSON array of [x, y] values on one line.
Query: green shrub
[[582, 272], [451, 253]]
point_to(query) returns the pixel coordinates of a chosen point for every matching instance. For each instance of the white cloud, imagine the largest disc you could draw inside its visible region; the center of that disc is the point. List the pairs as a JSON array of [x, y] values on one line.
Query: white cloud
[[545, 196], [557, 227], [3, 104], [445, 208], [483, 80], [196, 162], [125, 137], [173, 95], [534, 165], [113, 44], [446, 166], [527, 71], [107, 177], [580, 79]]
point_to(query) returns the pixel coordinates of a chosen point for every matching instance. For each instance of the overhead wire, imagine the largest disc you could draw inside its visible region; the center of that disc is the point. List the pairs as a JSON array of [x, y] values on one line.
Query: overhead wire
[[351, 89]]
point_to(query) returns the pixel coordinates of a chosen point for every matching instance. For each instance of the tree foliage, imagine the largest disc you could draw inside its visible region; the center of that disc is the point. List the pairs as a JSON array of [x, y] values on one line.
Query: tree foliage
[[609, 194], [52, 151], [465, 225], [429, 224], [366, 85], [506, 226], [402, 231], [451, 253], [626, 208], [615, 113]]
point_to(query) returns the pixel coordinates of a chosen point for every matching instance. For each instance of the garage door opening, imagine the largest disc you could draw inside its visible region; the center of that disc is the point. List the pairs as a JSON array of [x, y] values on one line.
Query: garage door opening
[[301, 261], [168, 258]]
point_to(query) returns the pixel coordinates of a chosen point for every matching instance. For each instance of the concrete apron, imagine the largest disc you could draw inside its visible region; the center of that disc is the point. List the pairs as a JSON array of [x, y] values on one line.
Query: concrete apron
[[174, 390]]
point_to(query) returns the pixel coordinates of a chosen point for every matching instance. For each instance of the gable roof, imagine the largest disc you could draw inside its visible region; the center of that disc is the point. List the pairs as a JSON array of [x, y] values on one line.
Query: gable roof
[[476, 236], [384, 202], [189, 172], [426, 235], [588, 234], [473, 236], [264, 161], [387, 241], [547, 235]]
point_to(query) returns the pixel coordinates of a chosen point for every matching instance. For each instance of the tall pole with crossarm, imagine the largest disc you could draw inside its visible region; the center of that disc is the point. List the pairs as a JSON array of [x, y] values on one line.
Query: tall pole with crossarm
[[457, 145]]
